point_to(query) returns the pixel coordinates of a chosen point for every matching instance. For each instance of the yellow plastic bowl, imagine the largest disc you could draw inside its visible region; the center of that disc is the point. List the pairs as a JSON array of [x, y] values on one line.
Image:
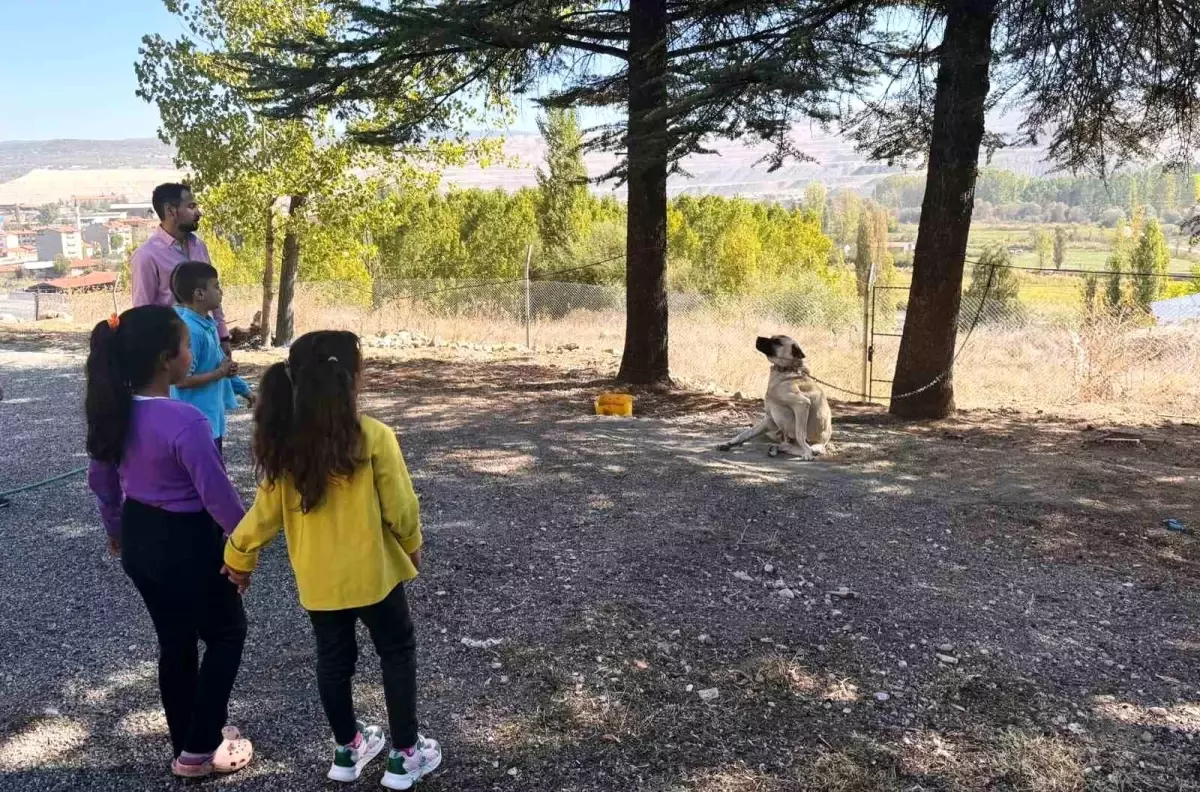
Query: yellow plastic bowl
[[619, 404]]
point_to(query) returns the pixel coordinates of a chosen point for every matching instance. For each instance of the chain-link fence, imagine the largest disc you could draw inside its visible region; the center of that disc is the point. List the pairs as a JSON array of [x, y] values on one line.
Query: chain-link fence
[[1050, 341], [1030, 341]]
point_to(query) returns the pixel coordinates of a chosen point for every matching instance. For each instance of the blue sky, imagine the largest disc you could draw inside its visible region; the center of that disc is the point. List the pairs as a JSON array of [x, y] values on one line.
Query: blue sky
[[67, 68]]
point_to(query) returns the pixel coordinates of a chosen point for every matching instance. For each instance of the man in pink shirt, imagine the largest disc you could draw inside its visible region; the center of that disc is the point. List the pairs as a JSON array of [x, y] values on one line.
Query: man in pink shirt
[[171, 244]]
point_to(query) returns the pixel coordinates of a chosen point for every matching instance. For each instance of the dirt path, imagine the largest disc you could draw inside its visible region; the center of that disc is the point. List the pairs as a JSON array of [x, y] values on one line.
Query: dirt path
[[629, 571]]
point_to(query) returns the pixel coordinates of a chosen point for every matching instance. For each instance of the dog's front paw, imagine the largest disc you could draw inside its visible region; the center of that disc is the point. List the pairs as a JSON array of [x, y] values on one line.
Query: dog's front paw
[[806, 455], [725, 447]]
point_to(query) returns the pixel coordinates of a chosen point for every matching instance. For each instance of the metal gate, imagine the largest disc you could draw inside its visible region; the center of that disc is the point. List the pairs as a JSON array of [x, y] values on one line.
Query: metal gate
[[871, 334]]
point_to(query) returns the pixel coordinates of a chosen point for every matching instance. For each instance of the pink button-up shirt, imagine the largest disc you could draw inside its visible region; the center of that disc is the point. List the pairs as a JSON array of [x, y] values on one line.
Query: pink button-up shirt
[[153, 263]]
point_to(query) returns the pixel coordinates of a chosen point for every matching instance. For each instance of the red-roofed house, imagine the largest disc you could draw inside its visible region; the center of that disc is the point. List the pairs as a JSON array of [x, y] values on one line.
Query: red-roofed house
[[93, 281]]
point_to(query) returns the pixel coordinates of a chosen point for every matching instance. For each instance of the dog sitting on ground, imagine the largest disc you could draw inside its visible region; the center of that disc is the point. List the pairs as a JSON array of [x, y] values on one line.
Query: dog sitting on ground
[[798, 420]]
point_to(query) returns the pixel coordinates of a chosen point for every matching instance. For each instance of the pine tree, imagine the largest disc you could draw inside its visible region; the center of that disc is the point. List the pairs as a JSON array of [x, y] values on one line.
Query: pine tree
[[561, 185], [1062, 63], [682, 73]]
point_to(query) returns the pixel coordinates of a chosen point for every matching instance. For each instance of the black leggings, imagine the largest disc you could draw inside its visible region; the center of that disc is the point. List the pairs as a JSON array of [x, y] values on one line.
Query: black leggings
[[391, 631], [174, 560]]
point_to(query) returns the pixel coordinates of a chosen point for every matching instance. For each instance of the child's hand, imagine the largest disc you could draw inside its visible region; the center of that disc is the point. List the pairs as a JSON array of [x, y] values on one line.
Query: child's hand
[[239, 579], [416, 559], [233, 367], [114, 547], [226, 367]]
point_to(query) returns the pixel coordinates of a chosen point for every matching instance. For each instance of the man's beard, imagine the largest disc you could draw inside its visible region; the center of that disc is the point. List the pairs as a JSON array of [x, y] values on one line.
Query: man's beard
[[190, 228]]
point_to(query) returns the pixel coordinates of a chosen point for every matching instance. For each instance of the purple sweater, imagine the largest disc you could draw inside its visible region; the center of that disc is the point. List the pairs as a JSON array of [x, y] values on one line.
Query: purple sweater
[[170, 462]]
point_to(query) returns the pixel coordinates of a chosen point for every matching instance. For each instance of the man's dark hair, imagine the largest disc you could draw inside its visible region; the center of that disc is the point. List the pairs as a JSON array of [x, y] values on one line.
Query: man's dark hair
[[170, 194], [189, 276]]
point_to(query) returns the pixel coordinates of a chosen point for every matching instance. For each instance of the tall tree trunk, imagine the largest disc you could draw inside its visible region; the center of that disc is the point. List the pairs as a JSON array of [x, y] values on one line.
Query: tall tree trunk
[[931, 326], [285, 323], [645, 360], [264, 318]]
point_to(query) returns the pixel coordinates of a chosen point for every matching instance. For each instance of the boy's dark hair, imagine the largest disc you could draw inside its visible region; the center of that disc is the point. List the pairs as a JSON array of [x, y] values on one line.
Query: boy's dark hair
[[306, 423], [169, 194], [189, 276], [123, 359]]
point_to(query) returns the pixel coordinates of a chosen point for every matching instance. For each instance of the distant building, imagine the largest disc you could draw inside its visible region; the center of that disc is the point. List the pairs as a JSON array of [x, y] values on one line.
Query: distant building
[[37, 269], [101, 218], [9, 241], [55, 241], [93, 281], [108, 237], [135, 209], [10, 271], [1177, 310]]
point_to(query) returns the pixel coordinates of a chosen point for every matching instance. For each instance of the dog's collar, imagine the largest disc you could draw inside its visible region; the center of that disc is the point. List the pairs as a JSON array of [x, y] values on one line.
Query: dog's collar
[[800, 369]]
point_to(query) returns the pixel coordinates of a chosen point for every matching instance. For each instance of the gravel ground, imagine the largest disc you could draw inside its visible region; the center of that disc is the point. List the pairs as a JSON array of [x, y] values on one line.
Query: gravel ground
[[986, 603]]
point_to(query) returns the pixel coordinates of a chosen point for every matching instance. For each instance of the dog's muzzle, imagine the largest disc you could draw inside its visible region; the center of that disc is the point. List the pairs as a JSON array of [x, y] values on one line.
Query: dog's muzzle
[[765, 345]]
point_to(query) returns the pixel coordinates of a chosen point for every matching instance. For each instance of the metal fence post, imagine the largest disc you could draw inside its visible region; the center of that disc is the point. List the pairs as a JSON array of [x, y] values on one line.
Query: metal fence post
[[37, 306], [528, 300], [868, 294]]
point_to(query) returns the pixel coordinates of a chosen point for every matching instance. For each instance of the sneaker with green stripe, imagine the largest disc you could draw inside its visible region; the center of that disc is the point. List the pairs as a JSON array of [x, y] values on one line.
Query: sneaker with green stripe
[[349, 762], [407, 767]]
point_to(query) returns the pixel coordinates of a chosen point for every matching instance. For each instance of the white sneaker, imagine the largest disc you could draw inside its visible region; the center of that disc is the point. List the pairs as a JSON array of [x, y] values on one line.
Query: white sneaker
[[348, 763], [405, 768]]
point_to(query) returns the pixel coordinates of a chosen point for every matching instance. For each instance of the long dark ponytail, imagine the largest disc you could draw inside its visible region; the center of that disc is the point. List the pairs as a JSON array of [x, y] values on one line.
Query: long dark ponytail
[[125, 355], [306, 422]]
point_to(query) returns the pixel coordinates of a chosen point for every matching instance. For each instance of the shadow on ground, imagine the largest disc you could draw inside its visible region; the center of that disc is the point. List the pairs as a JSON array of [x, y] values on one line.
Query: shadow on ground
[[987, 603]]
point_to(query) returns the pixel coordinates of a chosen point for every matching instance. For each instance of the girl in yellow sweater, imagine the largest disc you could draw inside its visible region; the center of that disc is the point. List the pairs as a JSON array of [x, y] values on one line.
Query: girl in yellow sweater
[[336, 483]]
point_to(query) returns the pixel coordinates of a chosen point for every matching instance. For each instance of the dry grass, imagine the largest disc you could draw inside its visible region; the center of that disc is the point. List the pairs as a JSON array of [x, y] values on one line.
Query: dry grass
[[1057, 366]]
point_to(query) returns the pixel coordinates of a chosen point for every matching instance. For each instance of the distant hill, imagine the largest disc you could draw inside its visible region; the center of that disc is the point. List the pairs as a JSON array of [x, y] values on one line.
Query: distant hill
[[18, 157], [45, 171]]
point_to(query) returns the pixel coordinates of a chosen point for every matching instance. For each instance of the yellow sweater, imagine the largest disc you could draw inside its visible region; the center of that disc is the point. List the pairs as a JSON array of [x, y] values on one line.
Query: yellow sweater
[[353, 549]]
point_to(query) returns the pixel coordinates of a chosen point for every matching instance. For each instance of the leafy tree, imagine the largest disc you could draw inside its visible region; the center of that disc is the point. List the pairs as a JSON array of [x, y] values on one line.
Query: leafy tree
[[815, 196], [1148, 264], [1090, 296], [48, 214], [865, 249], [682, 73], [1104, 80], [1117, 264], [1060, 247], [1043, 246], [244, 162], [61, 265], [562, 184], [994, 293]]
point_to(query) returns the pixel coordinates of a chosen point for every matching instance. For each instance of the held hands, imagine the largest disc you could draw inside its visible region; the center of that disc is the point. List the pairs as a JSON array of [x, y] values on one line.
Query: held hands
[[416, 559], [239, 579], [114, 547], [227, 368]]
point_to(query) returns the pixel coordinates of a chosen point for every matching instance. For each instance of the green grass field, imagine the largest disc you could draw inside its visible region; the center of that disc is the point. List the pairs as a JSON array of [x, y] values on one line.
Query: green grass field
[[1087, 250]]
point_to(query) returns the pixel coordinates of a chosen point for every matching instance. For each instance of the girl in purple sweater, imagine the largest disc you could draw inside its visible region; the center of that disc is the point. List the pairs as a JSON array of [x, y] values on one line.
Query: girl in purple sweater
[[167, 506]]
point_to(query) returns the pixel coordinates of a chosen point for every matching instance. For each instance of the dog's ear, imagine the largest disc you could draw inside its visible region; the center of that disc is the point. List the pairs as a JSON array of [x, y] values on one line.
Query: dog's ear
[[797, 352]]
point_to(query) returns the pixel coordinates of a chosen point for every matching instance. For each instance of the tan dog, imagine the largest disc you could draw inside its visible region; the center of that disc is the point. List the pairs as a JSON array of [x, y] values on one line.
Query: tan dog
[[797, 420]]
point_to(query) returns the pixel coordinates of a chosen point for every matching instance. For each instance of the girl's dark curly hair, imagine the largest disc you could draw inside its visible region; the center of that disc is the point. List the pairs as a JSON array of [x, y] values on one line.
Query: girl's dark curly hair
[[306, 422]]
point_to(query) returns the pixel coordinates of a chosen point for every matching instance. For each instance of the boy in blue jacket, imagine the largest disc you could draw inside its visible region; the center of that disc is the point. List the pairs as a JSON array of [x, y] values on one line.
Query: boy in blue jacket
[[212, 384]]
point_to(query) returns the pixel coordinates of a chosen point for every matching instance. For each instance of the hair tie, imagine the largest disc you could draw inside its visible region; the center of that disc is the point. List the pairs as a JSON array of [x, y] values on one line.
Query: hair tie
[[332, 359], [114, 322]]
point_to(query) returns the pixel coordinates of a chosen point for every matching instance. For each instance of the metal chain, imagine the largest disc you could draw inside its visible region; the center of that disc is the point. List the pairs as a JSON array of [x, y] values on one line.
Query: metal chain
[[909, 394]]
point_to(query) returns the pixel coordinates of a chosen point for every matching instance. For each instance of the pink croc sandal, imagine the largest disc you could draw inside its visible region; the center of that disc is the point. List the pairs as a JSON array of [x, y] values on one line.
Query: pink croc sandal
[[234, 753], [180, 770]]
